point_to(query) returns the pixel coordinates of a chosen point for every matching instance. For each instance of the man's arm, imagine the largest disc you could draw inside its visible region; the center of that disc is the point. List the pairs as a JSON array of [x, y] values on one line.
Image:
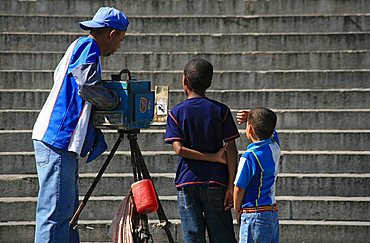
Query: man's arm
[[91, 89], [238, 199], [231, 157], [218, 157]]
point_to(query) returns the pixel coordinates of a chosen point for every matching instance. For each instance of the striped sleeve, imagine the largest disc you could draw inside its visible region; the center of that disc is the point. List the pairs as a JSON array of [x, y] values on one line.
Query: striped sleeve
[[91, 88], [276, 137], [245, 172], [229, 130], [173, 130]]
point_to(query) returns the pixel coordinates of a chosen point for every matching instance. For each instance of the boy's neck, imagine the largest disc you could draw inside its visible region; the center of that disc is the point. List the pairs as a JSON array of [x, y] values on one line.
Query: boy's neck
[[254, 140], [193, 94]]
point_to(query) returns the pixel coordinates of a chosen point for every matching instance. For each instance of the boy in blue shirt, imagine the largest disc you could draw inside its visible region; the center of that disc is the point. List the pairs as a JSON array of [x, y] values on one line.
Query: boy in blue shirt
[[254, 191], [197, 128]]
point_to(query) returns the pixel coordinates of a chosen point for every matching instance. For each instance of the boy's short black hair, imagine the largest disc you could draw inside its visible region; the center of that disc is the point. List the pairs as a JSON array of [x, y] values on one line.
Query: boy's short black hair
[[263, 121], [198, 73]]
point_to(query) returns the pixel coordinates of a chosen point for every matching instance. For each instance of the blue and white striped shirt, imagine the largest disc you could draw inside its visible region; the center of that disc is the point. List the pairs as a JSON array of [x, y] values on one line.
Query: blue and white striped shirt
[[257, 172], [64, 119]]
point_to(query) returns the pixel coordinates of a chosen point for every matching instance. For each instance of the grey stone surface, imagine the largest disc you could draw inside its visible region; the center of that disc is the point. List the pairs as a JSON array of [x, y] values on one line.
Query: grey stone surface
[[290, 208], [291, 232], [196, 24], [343, 119], [152, 140], [112, 184], [307, 60], [205, 42], [222, 79], [235, 99], [330, 60], [166, 161], [190, 7]]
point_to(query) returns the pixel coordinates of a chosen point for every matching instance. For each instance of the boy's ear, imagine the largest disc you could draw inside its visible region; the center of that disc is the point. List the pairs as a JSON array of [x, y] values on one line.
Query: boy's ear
[[185, 85], [250, 132], [184, 80]]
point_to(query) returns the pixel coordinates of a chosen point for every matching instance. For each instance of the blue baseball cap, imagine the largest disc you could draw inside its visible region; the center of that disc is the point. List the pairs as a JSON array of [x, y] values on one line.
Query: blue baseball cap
[[107, 17]]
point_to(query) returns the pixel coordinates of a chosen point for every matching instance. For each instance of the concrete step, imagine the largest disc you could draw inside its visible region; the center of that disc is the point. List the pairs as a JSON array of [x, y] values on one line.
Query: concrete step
[[235, 99], [292, 231], [190, 7], [324, 60], [222, 79], [196, 42], [166, 161], [153, 140], [287, 119], [117, 184], [291, 140], [90, 231], [323, 231], [290, 208], [325, 162], [196, 24], [334, 119]]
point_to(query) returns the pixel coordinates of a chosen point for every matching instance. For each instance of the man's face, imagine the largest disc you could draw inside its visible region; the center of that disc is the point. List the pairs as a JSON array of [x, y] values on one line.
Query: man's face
[[114, 41]]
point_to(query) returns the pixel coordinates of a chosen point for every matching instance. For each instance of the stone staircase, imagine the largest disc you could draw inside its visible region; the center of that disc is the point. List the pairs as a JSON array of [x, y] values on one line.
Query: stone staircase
[[307, 60]]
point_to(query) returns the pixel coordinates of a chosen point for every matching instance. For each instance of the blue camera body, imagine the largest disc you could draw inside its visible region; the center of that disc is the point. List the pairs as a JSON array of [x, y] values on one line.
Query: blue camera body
[[136, 109]]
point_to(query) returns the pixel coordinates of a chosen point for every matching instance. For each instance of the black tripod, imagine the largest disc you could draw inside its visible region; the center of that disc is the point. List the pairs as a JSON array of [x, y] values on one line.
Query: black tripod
[[140, 171]]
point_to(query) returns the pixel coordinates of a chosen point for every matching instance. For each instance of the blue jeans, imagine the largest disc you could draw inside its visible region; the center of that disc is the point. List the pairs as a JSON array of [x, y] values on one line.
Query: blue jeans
[[259, 227], [202, 207], [57, 201]]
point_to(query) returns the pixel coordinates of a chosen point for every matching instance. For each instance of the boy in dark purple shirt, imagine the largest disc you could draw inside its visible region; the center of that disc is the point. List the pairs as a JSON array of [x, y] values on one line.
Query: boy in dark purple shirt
[[197, 128]]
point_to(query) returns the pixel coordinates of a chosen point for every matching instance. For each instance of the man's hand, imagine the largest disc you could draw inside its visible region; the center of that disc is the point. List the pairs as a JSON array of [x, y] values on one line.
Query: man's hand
[[228, 202], [242, 116]]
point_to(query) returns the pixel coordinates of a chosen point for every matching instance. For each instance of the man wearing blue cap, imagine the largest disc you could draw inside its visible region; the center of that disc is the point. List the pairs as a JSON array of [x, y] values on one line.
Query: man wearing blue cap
[[63, 130]]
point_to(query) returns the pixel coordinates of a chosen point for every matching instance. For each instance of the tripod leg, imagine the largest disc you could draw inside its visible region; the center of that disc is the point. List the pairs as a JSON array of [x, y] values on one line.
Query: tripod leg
[[134, 161], [143, 233], [95, 182], [160, 212], [142, 227]]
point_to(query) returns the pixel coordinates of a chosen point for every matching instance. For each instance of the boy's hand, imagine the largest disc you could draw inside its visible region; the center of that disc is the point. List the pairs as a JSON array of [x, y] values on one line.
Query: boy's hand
[[221, 155], [238, 217], [228, 202], [238, 198], [242, 116]]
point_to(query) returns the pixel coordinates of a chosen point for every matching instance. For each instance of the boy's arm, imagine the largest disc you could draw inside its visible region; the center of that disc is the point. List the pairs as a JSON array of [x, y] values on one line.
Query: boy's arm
[[218, 157], [242, 116], [238, 199], [231, 157]]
